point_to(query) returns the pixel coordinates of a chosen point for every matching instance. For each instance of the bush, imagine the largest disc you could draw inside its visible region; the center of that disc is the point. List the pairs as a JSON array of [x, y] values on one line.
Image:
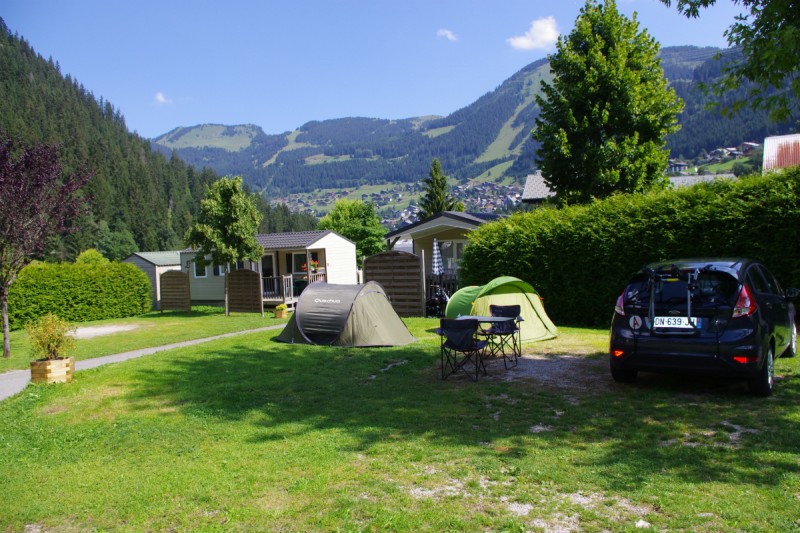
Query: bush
[[91, 257], [78, 292], [50, 337], [579, 258]]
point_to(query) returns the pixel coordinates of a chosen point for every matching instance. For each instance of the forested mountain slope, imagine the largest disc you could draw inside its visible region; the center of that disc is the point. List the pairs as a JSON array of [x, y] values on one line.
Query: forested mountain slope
[[490, 137], [140, 199]]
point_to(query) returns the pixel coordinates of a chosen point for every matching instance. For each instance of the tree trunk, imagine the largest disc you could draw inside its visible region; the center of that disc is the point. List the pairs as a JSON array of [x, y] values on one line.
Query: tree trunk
[[227, 275], [6, 331]]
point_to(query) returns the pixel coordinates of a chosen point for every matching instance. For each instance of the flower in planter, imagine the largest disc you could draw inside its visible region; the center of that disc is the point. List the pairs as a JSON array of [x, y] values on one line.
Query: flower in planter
[[314, 266], [50, 337]]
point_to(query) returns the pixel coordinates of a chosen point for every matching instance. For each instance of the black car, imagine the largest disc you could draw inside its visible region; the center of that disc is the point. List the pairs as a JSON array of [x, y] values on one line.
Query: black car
[[720, 317]]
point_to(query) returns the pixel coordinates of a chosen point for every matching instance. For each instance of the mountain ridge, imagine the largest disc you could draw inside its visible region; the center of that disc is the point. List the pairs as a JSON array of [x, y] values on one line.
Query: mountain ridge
[[488, 139]]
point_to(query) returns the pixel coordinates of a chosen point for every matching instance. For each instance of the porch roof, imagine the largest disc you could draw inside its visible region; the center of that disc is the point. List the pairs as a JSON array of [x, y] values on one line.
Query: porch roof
[[294, 239], [440, 221]]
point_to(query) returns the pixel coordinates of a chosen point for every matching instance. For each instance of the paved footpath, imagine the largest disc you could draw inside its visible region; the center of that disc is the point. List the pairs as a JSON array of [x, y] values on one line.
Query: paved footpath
[[15, 381]]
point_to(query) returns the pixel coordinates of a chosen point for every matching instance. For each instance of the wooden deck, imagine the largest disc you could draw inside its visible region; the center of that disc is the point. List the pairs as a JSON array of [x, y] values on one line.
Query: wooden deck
[[287, 289]]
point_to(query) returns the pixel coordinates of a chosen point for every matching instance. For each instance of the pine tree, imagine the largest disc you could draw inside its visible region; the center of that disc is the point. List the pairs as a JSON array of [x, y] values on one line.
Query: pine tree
[[437, 197]]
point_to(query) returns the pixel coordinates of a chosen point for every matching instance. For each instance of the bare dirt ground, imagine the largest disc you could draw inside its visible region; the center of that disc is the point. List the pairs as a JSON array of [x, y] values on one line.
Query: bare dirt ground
[[563, 371]]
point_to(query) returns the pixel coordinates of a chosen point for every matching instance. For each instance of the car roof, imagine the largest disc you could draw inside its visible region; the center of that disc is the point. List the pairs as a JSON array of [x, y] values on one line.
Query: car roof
[[729, 264]]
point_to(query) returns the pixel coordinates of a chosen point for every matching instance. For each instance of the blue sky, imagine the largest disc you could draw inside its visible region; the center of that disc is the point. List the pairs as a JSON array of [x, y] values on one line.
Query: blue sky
[[278, 65]]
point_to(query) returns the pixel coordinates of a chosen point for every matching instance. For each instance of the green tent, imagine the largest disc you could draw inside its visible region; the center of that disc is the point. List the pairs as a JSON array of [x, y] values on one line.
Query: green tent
[[345, 315], [505, 290]]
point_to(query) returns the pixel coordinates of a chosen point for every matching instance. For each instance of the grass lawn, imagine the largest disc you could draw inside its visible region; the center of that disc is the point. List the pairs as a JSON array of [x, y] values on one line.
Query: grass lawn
[[151, 329], [249, 434]]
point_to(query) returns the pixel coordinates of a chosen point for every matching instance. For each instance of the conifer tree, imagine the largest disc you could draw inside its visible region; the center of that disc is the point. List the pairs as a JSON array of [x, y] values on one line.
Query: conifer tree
[[437, 198]]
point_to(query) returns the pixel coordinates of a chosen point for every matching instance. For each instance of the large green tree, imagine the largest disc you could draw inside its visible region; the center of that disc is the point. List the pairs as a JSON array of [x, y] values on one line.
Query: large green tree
[[769, 36], [605, 115], [437, 198], [357, 221], [226, 227]]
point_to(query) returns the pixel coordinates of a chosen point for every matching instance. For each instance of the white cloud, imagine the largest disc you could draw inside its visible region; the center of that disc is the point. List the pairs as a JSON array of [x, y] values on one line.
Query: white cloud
[[161, 98], [447, 34], [542, 35]]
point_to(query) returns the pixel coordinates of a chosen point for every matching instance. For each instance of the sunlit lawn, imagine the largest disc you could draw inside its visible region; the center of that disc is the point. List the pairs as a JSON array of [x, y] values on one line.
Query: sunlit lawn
[[152, 329], [249, 434]]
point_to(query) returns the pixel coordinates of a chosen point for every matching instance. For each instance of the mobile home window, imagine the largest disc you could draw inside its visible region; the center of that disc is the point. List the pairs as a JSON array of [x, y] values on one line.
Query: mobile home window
[[200, 271]]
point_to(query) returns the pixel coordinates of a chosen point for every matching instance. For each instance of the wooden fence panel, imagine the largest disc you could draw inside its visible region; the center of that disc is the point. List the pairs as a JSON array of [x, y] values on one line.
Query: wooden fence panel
[[401, 275], [175, 294], [244, 292]]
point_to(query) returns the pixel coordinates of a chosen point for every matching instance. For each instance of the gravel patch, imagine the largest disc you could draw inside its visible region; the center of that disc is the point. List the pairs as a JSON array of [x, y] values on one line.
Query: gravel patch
[[87, 332]]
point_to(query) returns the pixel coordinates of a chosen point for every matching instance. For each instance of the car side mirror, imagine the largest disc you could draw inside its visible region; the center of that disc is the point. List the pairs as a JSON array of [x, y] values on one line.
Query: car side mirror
[[792, 293]]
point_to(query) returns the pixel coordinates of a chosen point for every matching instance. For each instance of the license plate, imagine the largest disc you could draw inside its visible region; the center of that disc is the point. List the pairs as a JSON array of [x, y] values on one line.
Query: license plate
[[675, 322]]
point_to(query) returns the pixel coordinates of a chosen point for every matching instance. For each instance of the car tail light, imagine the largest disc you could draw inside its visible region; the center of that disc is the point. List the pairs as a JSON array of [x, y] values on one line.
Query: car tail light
[[617, 353], [745, 305], [619, 307], [745, 358]]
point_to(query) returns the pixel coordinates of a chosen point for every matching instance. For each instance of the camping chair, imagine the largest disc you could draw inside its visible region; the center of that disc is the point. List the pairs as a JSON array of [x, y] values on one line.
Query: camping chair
[[505, 337], [459, 346]]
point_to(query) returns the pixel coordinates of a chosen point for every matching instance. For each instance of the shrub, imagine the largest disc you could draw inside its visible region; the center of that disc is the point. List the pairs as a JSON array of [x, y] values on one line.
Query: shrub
[[579, 258], [91, 257], [50, 337], [78, 292]]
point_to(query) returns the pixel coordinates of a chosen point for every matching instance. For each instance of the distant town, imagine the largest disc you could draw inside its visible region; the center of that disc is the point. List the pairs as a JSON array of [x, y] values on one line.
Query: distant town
[[397, 204]]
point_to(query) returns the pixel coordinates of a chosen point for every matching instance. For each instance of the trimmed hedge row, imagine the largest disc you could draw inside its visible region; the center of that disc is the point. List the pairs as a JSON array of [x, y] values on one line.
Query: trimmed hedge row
[[78, 292], [579, 258]]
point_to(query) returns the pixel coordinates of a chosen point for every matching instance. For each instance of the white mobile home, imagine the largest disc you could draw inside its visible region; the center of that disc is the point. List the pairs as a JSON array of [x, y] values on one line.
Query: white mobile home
[[290, 262]]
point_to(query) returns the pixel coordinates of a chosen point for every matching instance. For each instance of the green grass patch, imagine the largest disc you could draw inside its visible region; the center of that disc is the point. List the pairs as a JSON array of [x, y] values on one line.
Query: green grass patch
[[433, 133], [495, 173], [152, 329], [213, 136], [249, 434]]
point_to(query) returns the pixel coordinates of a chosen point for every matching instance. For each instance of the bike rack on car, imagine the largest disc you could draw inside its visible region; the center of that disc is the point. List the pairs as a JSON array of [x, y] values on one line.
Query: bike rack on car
[[656, 278]]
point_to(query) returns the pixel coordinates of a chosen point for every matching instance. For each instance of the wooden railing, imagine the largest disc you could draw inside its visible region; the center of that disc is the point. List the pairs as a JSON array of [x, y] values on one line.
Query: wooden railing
[[278, 288], [317, 276], [287, 289]]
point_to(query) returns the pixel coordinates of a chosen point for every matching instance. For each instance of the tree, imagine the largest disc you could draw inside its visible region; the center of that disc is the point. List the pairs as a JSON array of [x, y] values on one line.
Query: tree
[[605, 116], [37, 200], [436, 198], [226, 227], [357, 221], [769, 37]]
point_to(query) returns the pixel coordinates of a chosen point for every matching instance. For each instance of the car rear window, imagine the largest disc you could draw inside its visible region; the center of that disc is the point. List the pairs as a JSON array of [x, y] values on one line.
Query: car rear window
[[711, 288]]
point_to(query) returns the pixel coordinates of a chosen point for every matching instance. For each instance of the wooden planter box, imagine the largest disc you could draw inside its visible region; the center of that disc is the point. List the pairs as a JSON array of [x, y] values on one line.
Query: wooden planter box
[[283, 313], [53, 370]]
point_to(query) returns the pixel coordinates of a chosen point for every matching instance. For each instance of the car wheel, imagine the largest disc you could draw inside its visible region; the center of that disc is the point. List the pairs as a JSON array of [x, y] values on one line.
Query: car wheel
[[623, 375], [762, 384], [791, 351]]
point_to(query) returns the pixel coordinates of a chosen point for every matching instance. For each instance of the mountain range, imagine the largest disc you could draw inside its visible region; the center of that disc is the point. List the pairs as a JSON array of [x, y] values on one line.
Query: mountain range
[[489, 139]]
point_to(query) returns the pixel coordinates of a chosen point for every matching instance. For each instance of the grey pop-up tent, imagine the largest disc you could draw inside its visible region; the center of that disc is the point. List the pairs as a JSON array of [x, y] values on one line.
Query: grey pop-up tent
[[345, 315]]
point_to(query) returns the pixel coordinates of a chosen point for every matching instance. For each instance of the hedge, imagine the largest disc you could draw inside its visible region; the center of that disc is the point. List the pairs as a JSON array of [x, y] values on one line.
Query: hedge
[[579, 258], [78, 292]]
